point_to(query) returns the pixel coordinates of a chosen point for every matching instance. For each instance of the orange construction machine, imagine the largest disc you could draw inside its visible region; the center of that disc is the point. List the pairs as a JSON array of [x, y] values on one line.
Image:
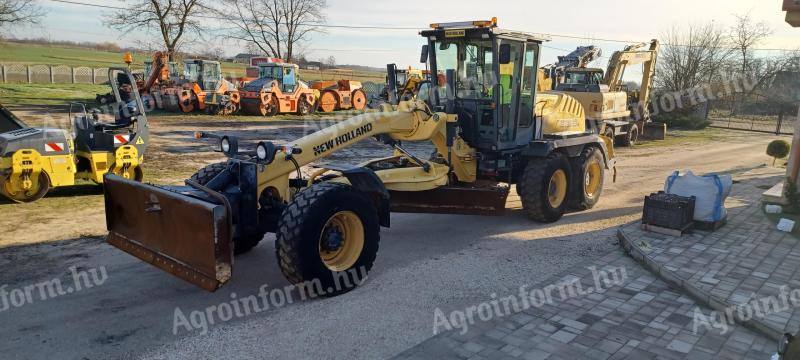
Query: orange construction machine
[[202, 88], [340, 95], [278, 90]]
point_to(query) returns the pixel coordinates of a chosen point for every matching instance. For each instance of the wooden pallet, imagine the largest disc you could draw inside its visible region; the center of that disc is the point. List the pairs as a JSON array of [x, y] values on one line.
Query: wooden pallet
[[667, 231]]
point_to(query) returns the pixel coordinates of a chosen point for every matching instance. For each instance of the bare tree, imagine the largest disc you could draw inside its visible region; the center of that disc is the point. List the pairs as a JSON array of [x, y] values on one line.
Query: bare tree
[[692, 57], [19, 12], [301, 18], [257, 23], [172, 20], [276, 27], [746, 34]]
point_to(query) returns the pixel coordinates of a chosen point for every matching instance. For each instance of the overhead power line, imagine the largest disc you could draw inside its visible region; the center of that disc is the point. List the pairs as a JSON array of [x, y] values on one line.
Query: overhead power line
[[378, 27]]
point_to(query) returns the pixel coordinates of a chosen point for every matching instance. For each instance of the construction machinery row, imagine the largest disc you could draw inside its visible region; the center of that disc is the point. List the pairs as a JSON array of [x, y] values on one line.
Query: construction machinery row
[[272, 87]]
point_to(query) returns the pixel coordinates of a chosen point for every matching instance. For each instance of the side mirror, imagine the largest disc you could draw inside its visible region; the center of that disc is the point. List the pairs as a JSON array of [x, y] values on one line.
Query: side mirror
[[505, 54], [423, 57]]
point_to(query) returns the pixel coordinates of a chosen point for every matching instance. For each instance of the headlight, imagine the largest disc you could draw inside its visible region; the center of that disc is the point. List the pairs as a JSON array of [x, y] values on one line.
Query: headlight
[[265, 152], [261, 152], [229, 145], [225, 144]]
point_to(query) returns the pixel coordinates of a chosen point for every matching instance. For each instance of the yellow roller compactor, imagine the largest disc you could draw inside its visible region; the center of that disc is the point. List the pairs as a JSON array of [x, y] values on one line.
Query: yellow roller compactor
[[490, 130], [34, 160]]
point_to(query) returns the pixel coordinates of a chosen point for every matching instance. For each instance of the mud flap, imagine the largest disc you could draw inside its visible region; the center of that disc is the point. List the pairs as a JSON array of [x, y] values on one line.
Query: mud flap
[[183, 235]]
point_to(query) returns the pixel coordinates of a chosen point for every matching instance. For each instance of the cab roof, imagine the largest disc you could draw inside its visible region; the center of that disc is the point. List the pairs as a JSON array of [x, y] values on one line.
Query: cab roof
[[477, 28]]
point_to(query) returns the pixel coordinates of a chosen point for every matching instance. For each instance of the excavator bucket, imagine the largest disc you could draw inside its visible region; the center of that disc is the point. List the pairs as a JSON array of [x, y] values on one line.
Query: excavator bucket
[[180, 230]]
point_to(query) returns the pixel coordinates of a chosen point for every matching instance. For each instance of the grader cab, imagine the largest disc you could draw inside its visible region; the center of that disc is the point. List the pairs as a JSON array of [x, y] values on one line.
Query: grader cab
[[489, 127]]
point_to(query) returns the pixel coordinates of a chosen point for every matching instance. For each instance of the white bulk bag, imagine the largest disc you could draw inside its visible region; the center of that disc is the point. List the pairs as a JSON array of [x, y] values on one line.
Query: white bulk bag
[[709, 191]]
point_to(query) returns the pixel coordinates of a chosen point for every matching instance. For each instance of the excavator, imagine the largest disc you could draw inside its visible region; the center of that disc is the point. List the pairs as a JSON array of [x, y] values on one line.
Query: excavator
[[34, 160], [202, 88], [490, 129], [158, 73], [611, 107], [402, 84], [278, 90], [580, 58]]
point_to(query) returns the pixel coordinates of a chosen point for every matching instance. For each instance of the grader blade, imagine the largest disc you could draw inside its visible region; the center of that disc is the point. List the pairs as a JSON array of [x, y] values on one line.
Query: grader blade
[[451, 200], [177, 230]]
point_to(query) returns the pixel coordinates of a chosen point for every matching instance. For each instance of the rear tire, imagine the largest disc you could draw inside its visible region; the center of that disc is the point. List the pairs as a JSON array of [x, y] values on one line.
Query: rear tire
[[242, 243], [304, 108], [272, 108], [631, 137], [329, 234], [588, 175], [544, 186]]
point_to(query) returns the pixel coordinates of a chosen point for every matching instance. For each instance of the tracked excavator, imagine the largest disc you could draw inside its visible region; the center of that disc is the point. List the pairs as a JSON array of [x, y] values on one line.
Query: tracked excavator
[[491, 130]]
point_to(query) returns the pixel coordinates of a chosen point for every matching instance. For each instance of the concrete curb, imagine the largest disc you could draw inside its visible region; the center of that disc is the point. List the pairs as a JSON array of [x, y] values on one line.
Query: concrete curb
[[690, 289]]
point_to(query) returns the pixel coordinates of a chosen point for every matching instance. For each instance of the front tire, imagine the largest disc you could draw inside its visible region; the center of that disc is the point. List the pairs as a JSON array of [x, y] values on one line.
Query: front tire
[[329, 234], [242, 243], [588, 172], [544, 186]]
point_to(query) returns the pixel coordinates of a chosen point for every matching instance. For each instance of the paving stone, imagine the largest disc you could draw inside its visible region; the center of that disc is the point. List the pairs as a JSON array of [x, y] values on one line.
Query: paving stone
[[645, 318]]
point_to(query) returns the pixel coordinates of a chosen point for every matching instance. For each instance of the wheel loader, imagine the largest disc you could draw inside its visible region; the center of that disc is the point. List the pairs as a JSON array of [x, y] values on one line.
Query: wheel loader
[[490, 130], [278, 90], [34, 160], [203, 88]]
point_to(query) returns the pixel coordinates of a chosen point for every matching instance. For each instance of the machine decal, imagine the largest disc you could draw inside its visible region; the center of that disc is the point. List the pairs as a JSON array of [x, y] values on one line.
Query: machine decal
[[343, 139], [120, 139], [54, 147]]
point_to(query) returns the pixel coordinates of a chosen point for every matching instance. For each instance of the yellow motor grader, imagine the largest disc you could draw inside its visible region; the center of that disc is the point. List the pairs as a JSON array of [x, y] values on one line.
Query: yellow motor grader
[[490, 130], [34, 160]]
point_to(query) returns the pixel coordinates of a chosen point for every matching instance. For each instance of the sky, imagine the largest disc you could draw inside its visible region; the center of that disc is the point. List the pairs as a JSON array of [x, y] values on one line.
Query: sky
[[588, 20]]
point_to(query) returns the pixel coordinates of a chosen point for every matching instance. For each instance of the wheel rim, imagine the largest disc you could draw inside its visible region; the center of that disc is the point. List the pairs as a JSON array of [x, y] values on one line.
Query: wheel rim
[[557, 188], [592, 178], [327, 102], [10, 191], [341, 241]]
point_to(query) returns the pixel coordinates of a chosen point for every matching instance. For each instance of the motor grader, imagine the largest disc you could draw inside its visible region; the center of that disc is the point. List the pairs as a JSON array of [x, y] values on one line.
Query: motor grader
[[278, 90], [339, 95], [490, 130], [202, 88], [34, 160]]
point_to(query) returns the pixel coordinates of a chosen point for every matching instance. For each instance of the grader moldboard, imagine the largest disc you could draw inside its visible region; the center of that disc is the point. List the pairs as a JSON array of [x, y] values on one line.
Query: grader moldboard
[[487, 134], [34, 160]]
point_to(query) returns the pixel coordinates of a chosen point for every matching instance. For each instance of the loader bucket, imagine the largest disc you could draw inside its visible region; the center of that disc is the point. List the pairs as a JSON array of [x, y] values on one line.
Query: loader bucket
[[181, 234]]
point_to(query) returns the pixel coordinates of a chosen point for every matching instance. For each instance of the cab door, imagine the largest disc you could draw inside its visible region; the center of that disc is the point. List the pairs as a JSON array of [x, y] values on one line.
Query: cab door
[[507, 94]]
